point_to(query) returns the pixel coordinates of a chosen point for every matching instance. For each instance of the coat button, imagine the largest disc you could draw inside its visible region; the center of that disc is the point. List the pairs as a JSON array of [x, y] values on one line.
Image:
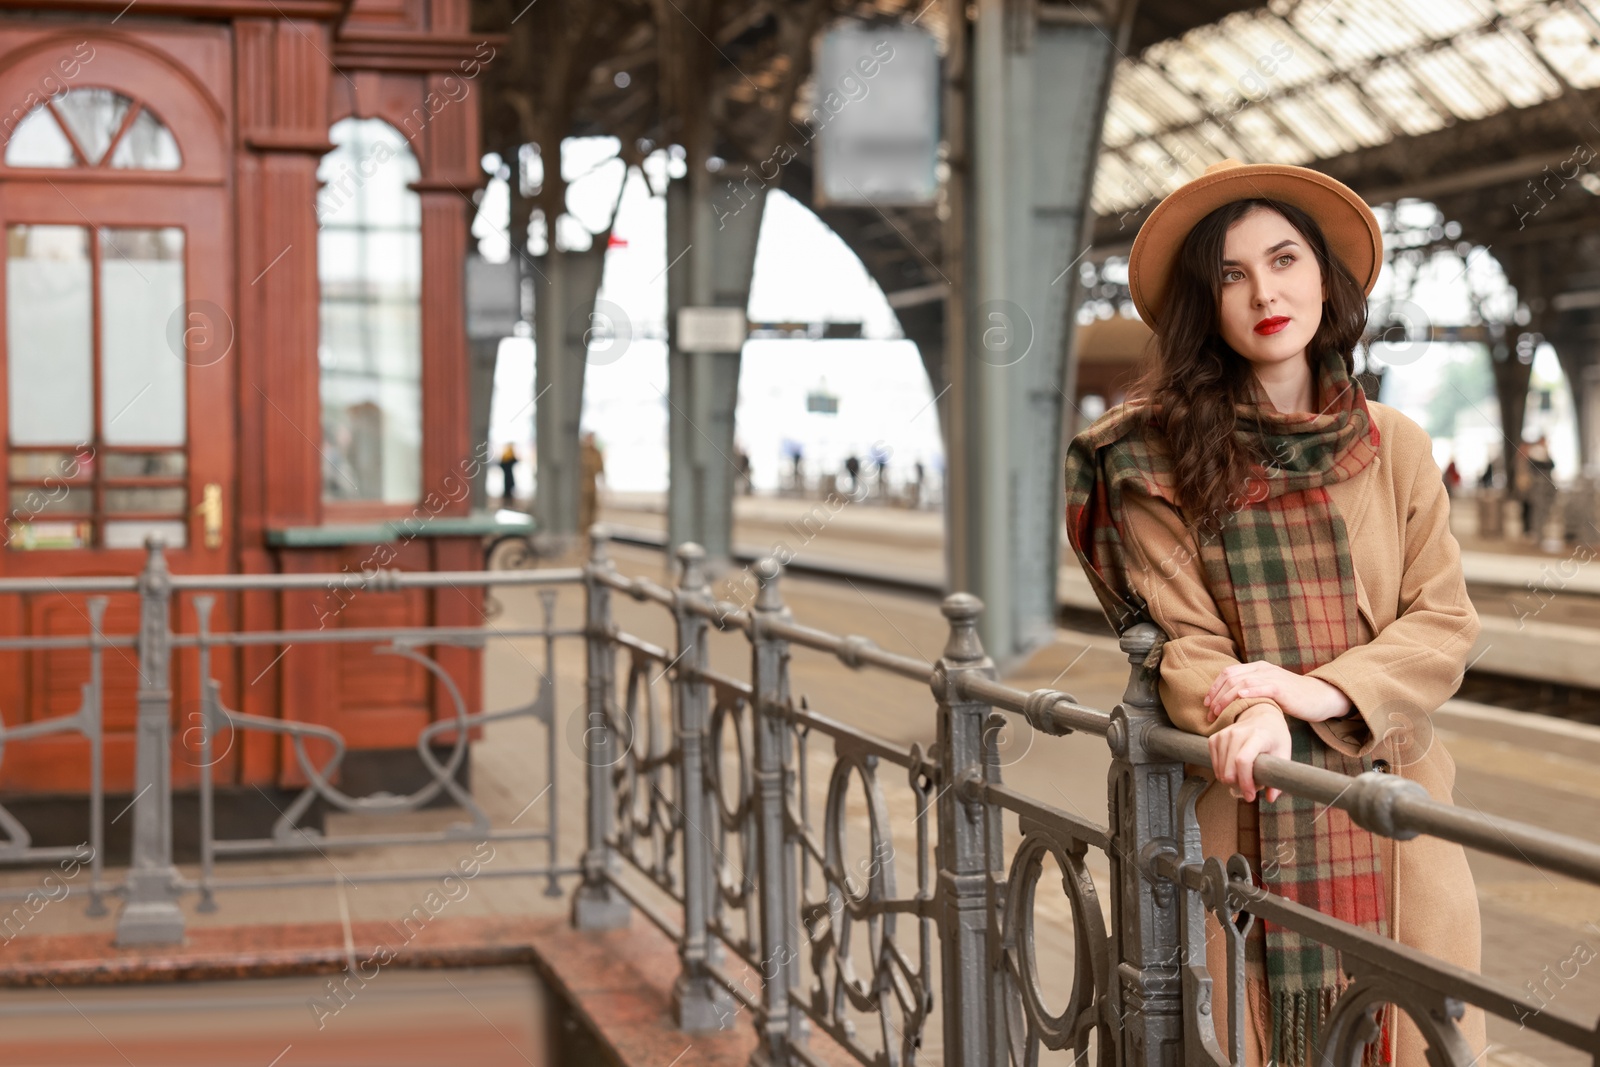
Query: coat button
[[1381, 766]]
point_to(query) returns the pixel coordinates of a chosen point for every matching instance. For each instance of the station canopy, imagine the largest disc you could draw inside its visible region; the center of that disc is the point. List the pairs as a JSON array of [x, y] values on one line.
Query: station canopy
[[1297, 82]]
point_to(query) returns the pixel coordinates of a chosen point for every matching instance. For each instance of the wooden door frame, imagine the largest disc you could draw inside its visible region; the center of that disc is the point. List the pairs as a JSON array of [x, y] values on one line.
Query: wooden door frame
[[211, 391]]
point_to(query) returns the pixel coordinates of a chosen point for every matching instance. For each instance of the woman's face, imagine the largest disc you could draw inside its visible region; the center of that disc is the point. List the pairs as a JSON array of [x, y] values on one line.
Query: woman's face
[[1272, 291]]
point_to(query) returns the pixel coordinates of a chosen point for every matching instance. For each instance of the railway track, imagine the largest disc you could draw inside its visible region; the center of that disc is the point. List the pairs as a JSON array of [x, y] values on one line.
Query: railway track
[[1557, 699]]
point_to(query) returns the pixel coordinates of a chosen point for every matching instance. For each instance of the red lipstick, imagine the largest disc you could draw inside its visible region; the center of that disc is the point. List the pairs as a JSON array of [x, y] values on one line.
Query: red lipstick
[[1272, 325]]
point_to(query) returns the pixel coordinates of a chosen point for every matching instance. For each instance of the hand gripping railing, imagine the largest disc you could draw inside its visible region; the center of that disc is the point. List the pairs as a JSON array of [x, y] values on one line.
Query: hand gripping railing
[[1141, 994]]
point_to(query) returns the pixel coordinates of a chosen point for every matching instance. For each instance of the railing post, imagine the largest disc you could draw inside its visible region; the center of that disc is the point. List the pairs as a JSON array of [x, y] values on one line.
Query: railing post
[[969, 850], [776, 868], [597, 904], [699, 999], [1146, 909], [150, 914]]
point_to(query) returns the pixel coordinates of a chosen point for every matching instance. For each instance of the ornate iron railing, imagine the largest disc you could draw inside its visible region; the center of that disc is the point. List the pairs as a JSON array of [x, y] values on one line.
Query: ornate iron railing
[[153, 884], [729, 835], [820, 878]]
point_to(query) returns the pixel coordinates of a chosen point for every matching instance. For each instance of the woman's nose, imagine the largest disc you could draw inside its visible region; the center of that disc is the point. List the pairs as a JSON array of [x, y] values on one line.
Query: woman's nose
[[1261, 290]]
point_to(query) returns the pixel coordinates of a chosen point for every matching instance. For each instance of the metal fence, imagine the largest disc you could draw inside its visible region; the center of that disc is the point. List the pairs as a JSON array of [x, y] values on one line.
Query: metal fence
[[758, 831], [709, 803], [153, 884]]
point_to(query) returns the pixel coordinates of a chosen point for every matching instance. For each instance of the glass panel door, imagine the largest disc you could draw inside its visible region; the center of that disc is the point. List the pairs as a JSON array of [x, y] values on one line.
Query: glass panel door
[[99, 432]]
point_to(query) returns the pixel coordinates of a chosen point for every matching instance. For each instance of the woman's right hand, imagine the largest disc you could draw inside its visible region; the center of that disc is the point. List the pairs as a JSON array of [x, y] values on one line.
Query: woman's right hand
[[1260, 728]]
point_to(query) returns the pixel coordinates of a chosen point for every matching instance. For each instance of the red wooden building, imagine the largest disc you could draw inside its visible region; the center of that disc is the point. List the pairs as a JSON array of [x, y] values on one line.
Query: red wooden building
[[233, 318]]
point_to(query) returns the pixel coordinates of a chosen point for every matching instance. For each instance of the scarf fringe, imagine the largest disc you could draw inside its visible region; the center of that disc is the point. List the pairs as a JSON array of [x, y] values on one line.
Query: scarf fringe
[[1299, 1020]]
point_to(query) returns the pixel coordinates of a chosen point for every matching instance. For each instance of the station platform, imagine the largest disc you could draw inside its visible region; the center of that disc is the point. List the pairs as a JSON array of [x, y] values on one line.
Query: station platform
[[1540, 610]]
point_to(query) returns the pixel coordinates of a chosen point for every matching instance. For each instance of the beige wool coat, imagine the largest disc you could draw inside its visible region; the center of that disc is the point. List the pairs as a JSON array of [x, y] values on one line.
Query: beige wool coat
[[1419, 626]]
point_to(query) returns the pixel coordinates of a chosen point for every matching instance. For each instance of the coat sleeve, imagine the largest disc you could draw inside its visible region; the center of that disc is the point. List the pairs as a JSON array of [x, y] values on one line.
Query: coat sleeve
[[1414, 664], [1164, 568]]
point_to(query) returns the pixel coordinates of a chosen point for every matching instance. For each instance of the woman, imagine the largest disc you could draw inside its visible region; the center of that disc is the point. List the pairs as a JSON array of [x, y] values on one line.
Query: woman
[[1291, 537]]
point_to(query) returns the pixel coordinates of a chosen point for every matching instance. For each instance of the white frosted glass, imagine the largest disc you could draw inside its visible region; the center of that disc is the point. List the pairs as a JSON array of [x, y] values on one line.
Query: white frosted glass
[[39, 142], [130, 533], [148, 145], [372, 439], [369, 263], [94, 116], [142, 377], [364, 179], [49, 360]]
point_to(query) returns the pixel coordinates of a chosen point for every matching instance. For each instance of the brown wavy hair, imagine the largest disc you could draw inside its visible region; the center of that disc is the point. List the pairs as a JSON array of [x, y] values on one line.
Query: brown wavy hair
[[1196, 377]]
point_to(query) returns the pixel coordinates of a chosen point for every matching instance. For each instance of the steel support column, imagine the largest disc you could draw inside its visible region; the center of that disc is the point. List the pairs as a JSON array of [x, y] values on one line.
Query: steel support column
[[564, 289], [1024, 148], [712, 253]]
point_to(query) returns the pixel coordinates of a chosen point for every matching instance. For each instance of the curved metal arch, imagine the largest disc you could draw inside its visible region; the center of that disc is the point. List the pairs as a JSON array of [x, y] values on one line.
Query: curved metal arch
[[828, 924], [1029, 1024], [737, 820], [1353, 1022], [644, 809]]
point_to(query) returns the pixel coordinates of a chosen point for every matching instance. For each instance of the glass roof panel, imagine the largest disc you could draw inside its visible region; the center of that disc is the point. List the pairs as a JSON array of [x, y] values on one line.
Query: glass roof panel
[[1294, 81], [1567, 42], [1279, 56], [1455, 84], [1263, 140], [1223, 141], [1153, 163], [1118, 130], [1114, 132], [1230, 62], [1330, 128], [1353, 113], [1512, 7], [1393, 90], [1166, 105], [1115, 187], [1192, 73], [1507, 58], [1309, 125]]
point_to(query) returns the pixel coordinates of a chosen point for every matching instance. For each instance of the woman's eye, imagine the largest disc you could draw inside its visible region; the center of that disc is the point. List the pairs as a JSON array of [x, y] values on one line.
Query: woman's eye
[[1287, 255]]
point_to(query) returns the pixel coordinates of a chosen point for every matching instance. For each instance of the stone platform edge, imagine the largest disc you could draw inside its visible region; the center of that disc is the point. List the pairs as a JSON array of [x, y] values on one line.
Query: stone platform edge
[[617, 982]]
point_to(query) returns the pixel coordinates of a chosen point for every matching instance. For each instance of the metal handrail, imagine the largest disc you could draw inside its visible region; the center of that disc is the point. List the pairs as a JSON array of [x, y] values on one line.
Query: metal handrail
[[1141, 987]]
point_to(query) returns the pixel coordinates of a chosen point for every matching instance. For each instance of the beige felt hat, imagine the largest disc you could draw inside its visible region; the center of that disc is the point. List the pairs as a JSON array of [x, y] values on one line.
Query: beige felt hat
[[1347, 222]]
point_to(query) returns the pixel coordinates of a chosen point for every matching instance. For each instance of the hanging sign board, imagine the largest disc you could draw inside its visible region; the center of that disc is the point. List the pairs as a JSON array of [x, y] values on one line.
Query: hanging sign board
[[711, 329], [494, 298], [875, 111]]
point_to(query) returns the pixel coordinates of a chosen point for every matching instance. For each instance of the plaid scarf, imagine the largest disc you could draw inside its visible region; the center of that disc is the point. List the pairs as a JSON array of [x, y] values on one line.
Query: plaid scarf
[[1284, 584]]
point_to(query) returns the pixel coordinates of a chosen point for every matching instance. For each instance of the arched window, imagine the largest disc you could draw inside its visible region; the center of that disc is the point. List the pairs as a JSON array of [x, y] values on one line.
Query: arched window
[[87, 127], [369, 262]]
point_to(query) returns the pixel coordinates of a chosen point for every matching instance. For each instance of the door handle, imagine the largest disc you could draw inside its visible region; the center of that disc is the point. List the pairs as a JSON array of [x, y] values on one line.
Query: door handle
[[210, 509]]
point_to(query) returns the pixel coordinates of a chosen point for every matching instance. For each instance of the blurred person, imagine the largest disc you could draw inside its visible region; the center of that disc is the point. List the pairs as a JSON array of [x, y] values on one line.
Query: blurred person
[[741, 460], [591, 464], [880, 466], [1214, 503], [852, 467], [1452, 477], [508, 473], [795, 452], [1489, 478], [1541, 486], [1521, 486]]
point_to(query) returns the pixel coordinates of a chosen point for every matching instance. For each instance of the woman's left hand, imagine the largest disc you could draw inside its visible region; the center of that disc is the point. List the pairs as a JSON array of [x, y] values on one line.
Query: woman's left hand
[[1299, 695]]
